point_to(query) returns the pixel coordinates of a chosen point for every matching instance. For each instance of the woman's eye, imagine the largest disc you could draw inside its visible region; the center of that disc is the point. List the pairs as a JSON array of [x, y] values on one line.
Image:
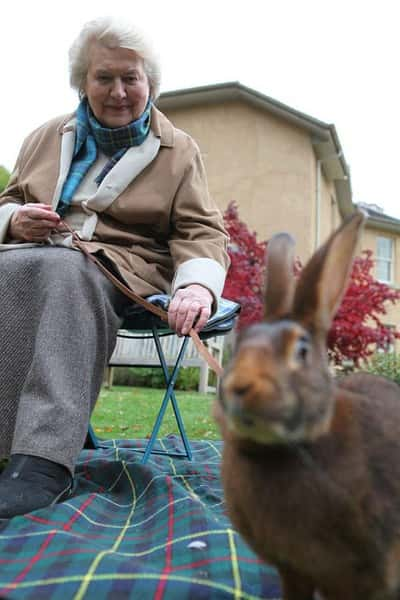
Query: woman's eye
[[130, 80], [103, 79]]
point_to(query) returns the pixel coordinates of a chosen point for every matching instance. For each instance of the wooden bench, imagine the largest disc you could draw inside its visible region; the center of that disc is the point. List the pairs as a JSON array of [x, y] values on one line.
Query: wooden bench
[[133, 352]]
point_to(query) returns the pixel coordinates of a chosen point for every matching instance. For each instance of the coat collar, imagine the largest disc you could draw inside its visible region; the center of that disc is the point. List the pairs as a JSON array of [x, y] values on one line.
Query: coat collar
[[160, 125], [162, 128]]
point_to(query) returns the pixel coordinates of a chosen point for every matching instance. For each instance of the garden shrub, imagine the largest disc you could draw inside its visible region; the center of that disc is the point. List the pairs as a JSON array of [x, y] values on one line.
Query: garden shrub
[[386, 364], [188, 378]]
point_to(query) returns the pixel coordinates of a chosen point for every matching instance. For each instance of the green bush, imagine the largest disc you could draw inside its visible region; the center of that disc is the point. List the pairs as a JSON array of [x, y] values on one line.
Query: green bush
[[4, 177], [387, 365], [188, 378]]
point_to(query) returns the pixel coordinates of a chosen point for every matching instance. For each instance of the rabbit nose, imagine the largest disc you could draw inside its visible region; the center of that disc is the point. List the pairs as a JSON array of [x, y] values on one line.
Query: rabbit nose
[[235, 384], [241, 389]]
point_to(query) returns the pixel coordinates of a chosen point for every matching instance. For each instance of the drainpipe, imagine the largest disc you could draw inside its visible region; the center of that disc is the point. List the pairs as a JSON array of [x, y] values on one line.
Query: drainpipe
[[318, 196]]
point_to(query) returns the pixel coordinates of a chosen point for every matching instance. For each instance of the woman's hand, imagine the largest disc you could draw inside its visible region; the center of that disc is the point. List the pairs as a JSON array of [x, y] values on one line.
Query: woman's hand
[[33, 222], [190, 307]]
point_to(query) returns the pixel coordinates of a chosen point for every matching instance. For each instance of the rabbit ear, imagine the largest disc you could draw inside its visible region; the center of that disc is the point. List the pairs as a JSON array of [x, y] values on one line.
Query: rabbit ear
[[279, 276], [324, 279]]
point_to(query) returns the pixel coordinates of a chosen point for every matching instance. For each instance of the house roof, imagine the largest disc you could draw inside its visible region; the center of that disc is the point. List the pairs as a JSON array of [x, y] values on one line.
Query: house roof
[[324, 136], [377, 219]]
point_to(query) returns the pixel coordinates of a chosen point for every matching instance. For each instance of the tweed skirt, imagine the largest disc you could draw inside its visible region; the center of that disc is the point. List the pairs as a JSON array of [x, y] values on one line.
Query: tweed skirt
[[59, 317]]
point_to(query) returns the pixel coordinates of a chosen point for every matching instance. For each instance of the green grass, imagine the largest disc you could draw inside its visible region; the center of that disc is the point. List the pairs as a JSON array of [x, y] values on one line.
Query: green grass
[[130, 412]]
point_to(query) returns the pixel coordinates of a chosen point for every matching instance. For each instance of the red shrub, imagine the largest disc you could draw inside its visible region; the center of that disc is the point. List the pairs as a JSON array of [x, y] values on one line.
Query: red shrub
[[357, 329]]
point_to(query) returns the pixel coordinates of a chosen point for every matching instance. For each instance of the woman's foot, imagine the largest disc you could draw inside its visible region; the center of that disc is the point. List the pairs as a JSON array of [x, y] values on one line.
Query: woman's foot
[[29, 482]]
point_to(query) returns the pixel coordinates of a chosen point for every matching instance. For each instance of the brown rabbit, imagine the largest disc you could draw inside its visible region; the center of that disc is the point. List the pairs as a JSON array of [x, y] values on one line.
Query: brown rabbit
[[311, 466]]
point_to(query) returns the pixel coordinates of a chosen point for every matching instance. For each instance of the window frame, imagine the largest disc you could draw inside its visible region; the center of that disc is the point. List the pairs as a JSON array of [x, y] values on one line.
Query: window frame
[[387, 261]]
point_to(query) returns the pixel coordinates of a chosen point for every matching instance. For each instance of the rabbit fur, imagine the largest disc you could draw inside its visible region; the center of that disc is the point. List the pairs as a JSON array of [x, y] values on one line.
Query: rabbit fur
[[311, 465]]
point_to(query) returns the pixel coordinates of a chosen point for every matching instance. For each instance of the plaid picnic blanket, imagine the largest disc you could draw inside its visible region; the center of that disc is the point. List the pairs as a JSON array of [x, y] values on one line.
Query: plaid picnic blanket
[[156, 531]]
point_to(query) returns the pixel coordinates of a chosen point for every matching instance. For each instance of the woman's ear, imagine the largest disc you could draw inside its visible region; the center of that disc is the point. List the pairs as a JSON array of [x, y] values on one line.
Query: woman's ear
[[324, 279]]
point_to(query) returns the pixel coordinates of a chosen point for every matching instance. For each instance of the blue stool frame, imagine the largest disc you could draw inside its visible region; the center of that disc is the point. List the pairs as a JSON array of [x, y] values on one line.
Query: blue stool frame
[[139, 321]]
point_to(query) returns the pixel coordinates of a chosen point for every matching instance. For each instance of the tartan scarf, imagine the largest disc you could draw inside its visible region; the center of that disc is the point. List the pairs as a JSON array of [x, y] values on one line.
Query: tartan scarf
[[90, 136]]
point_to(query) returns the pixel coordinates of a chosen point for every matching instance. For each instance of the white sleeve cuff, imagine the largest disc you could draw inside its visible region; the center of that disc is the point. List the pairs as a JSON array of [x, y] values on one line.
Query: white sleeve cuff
[[6, 212], [203, 271]]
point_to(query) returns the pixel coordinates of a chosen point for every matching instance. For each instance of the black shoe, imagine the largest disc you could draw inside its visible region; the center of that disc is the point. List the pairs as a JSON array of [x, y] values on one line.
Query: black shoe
[[29, 482]]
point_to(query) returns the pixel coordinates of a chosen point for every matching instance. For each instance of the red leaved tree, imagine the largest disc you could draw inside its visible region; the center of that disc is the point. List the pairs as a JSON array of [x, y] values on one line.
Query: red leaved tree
[[357, 329], [245, 280]]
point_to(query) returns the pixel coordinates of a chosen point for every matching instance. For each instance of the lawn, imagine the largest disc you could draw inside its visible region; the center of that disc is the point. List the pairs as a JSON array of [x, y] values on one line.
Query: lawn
[[130, 412]]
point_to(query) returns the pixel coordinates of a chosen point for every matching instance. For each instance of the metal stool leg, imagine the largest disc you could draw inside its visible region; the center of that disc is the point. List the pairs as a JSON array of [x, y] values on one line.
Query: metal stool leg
[[168, 396]]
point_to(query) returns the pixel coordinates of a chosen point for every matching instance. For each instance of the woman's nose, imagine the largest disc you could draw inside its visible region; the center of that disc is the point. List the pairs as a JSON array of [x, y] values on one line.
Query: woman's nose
[[118, 89]]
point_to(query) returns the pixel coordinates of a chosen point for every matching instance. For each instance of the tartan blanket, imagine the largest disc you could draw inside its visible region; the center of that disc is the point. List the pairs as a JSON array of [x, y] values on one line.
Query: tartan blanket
[[156, 531]]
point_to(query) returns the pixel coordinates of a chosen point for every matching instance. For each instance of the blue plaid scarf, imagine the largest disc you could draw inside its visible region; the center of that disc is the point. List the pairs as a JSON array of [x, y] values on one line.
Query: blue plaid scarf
[[90, 136]]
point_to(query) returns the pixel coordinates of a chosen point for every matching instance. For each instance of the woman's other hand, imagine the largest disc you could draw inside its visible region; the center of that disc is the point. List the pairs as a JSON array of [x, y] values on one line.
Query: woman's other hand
[[190, 307], [33, 222]]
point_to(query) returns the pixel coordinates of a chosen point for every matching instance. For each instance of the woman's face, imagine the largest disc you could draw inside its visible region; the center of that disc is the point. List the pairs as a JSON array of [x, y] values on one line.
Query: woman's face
[[116, 85]]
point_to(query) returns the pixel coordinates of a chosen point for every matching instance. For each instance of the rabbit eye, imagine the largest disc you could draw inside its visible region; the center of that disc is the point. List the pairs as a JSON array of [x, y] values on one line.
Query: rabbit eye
[[302, 348]]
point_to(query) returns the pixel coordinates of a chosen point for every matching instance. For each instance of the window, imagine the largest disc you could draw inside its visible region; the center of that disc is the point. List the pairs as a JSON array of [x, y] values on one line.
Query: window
[[384, 259]]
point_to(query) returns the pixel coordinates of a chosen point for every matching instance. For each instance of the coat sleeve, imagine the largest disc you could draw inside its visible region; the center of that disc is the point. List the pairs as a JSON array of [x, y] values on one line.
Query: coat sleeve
[[198, 243]]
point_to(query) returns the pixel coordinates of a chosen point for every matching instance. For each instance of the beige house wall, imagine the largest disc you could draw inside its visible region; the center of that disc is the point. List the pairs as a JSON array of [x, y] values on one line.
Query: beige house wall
[[263, 163], [329, 214]]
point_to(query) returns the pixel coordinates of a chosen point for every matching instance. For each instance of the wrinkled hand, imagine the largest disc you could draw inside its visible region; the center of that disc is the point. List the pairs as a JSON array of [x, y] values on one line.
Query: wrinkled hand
[[33, 222], [190, 307]]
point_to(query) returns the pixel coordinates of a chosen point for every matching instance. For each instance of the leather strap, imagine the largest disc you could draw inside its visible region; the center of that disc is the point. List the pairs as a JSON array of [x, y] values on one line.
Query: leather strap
[[156, 310]]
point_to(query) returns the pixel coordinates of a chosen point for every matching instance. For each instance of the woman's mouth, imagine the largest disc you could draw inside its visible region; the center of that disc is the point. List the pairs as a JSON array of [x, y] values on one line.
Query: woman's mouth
[[118, 108]]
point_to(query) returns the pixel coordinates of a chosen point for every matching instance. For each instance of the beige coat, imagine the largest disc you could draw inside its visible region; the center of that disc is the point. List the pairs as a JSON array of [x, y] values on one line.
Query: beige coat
[[152, 215]]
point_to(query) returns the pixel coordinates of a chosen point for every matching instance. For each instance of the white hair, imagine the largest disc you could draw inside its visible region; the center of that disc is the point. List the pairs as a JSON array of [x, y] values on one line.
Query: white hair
[[112, 33]]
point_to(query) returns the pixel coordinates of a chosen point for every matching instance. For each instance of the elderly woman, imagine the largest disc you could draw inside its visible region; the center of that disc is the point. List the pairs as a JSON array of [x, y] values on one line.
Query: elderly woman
[[133, 186]]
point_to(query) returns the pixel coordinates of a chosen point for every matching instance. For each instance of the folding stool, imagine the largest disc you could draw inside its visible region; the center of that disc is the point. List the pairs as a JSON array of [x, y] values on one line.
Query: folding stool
[[139, 323]]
